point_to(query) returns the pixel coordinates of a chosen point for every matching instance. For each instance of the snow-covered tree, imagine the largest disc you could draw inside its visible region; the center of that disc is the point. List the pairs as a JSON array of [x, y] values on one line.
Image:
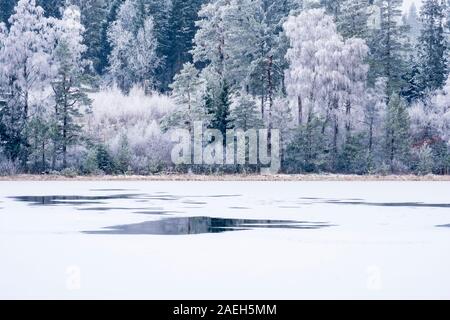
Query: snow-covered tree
[[188, 90], [70, 94], [387, 45], [183, 16], [244, 112], [25, 67], [430, 119], [27, 51], [93, 19], [326, 76], [325, 72], [433, 45], [209, 41], [353, 18], [133, 59], [188, 87]]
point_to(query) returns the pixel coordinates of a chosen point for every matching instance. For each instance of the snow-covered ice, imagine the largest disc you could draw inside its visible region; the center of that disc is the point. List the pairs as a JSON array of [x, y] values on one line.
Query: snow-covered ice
[[373, 240]]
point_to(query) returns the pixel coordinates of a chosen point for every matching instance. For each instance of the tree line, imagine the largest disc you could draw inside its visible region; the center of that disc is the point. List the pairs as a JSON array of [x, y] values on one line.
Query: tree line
[[354, 86]]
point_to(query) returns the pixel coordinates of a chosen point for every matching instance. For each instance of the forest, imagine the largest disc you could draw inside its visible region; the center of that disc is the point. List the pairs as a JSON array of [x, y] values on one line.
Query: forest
[[93, 87]]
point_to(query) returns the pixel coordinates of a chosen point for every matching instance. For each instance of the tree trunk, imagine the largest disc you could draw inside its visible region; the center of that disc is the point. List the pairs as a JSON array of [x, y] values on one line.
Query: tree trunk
[[300, 110]]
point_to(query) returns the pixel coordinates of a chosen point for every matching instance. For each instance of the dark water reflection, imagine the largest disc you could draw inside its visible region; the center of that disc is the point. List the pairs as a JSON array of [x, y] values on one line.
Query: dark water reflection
[[361, 202], [391, 204], [72, 200], [202, 225]]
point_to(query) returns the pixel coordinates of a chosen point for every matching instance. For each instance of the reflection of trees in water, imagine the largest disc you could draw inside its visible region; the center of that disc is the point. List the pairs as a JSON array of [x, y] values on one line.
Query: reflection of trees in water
[[201, 225]]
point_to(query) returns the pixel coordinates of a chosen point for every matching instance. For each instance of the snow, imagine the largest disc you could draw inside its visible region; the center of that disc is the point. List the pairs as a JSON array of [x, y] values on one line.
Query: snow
[[370, 252]]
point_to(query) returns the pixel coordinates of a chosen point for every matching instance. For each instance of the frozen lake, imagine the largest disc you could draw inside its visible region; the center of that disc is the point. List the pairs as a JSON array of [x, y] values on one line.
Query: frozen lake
[[225, 240]]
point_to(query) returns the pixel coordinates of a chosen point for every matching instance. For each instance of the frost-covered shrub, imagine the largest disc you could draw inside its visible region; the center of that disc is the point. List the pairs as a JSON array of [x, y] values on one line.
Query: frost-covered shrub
[[8, 167], [128, 126], [69, 172], [424, 157]]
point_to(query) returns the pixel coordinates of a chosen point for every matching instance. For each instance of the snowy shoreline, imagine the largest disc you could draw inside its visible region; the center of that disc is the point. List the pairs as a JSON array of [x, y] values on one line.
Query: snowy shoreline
[[230, 177]]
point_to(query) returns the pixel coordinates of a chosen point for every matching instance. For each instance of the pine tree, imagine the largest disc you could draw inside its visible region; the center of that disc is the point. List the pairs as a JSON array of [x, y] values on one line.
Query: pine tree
[[397, 134], [123, 155], [432, 45], [220, 109], [70, 95], [188, 91], [353, 158], [413, 88], [182, 30], [188, 88], [387, 46], [105, 48], [160, 11], [353, 18], [93, 18], [332, 7], [133, 59], [244, 114], [105, 160], [305, 153]]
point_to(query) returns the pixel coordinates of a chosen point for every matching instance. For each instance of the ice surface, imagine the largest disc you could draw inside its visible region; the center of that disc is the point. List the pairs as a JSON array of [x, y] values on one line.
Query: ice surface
[[383, 240]]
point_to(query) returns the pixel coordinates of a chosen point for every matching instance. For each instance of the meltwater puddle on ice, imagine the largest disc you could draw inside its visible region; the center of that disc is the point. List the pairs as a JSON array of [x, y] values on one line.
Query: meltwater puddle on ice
[[202, 225]]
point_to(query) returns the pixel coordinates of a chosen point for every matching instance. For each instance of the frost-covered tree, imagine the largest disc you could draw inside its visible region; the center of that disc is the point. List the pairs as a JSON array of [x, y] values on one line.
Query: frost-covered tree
[[105, 48], [244, 112], [183, 16], [26, 52], [25, 67], [326, 75], [70, 94], [93, 19], [353, 18], [242, 41], [209, 41], [160, 10], [325, 72], [188, 91], [387, 45], [133, 59], [188, 87], [433, 45], [430, 119]]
